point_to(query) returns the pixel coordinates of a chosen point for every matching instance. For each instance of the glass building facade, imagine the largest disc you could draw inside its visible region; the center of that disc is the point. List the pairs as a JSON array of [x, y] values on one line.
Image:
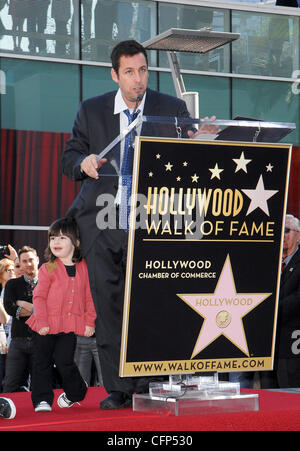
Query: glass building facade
[[56, 53]]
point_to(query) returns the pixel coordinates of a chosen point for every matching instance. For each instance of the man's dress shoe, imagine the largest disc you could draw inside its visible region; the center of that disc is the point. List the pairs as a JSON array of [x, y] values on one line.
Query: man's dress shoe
[[116, 400]]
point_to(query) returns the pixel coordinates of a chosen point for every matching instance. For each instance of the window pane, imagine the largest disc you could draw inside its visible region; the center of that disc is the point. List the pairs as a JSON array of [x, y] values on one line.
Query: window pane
[[29, 26], [266, 100], [39, 95], [214, 93], [96, 81], [268, 44], [107, 22]]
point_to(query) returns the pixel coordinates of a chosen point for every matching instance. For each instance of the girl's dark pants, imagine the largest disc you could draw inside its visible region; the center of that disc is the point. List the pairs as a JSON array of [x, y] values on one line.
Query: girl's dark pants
[[58, 349]]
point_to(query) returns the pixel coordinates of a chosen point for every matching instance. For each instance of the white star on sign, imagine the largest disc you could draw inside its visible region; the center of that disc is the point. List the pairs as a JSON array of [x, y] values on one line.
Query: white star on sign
[[215, 172], [168, 166], [259, 197], [241, 163]]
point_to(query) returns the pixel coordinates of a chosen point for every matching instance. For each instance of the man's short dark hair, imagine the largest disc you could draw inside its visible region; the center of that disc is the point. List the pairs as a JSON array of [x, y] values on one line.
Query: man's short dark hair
[[26, 249], [126, 48]]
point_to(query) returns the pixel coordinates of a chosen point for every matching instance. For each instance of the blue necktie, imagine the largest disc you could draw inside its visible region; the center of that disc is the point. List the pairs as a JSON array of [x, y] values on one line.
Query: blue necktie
[[126, 173]]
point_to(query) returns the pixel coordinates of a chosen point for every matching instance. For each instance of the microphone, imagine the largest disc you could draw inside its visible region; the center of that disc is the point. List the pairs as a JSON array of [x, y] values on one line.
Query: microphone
[[133, 132], [138, 99]]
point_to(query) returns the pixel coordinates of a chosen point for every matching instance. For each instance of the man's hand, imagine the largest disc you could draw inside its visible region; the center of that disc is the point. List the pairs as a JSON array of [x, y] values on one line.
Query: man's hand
[[27, 308], [90, 165], [205, 128], [25, 305]]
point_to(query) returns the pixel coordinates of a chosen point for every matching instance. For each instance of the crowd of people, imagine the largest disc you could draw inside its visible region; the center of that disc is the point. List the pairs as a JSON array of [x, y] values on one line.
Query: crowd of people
[[29, 19], [102, 21]]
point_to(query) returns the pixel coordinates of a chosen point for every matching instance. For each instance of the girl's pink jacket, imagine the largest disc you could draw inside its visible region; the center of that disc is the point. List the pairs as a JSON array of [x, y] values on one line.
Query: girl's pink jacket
[[61, 302]]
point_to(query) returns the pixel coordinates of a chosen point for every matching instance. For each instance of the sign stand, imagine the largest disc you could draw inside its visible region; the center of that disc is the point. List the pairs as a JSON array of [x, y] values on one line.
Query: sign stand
[[194, 395], [202, 297]]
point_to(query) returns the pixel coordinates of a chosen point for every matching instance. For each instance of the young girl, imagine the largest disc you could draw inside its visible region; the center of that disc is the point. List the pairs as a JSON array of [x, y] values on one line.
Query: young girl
[[62, 309]]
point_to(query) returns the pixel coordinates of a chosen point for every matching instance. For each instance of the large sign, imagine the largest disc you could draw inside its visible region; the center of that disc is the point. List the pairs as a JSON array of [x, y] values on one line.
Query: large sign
[[204, 256]]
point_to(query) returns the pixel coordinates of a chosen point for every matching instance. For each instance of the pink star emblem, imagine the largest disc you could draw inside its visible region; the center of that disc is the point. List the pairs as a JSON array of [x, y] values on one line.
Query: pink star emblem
[[223, 311]]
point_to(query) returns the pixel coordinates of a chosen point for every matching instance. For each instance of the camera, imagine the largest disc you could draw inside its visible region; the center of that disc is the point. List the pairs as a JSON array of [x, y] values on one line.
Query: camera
[[3, 250]]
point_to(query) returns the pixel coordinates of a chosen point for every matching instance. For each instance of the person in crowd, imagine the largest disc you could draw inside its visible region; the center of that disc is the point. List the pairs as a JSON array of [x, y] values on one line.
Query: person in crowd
[[63, 308], [18, 270], [7, 409], [36, 24], [18, 304], [98, 122], [286, 373], [61, 13], [2, 27], [6, 273], [87, 9], [19, 11], [105, 28], [87, 18], [13, 256]]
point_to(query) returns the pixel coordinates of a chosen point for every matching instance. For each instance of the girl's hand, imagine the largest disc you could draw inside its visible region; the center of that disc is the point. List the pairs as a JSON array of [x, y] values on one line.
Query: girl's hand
[[44, 331], [89, 331]]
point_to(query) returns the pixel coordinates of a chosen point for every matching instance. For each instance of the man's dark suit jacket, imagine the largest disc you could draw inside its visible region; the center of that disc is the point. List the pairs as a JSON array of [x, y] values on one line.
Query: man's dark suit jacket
[[95, 127], [289, 308], [15, 290], [291, 3]]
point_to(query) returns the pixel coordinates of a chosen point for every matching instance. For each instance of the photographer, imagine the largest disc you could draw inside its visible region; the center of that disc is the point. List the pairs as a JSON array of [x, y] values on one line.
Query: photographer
[[8, 252]]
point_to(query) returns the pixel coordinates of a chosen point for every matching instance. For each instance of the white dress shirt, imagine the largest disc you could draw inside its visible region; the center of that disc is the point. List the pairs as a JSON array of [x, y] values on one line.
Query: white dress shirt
[[120, 107]]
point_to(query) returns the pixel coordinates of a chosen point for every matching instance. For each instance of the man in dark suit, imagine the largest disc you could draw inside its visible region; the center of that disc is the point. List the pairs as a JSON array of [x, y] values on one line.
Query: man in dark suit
[[99, 121], [286, 373], [290, 3], [288, 348]]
